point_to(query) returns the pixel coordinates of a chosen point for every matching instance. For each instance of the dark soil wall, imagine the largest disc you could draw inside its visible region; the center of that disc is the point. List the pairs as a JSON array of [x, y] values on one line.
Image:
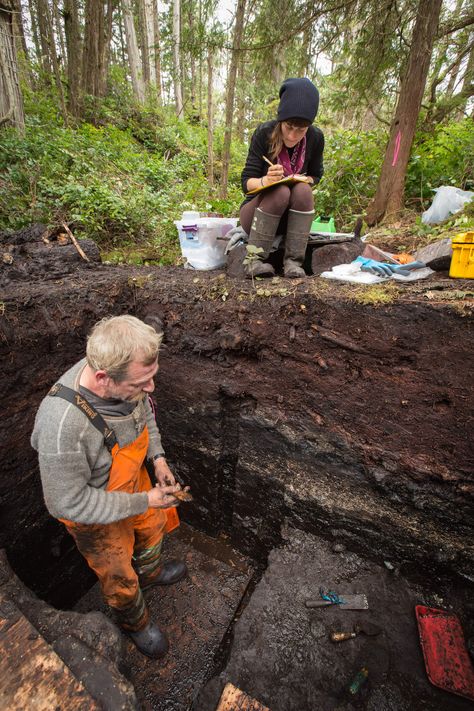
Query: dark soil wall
[[347, 420]]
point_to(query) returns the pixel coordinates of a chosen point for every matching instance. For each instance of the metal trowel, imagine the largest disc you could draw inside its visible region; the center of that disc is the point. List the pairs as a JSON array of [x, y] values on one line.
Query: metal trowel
[[344, 602]]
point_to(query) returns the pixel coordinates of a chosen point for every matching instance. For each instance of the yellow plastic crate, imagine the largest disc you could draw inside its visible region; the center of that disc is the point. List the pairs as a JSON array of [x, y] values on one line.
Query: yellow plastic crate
[[462, 261]]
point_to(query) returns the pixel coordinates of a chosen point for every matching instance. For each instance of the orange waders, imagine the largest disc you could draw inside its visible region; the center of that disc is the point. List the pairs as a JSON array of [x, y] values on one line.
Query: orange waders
[[126, 553]]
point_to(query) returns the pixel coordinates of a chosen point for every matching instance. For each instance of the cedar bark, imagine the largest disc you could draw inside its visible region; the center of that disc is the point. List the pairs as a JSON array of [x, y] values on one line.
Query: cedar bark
[[133, 55], [149, 17], [143, 42], [157, 48], [55, 64], [34, 28], [192, 59], [93, 55], [19, 31], [229, 109], [44, 40], [74, 56], [11, 100], [178, 91], [389, 195], [106, 49], [24, 67], [58, 29], [210, 120], [242, 100]]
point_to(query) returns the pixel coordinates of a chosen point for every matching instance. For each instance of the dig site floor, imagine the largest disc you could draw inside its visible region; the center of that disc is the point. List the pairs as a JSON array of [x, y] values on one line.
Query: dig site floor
[[229, 621]]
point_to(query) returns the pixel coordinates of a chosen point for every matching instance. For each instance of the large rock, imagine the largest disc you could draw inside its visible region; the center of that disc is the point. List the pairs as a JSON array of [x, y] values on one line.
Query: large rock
[[327, 256]]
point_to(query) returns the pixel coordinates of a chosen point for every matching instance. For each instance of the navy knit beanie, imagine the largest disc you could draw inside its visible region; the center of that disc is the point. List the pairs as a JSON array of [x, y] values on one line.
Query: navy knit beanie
[[299, 98]]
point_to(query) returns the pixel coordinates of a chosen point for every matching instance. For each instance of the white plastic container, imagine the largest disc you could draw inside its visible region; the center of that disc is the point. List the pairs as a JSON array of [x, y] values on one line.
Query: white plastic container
[[198, 239]]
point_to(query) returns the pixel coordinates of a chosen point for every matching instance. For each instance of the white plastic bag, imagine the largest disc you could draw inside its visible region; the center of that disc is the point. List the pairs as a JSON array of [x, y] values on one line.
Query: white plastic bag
[[447, 201]]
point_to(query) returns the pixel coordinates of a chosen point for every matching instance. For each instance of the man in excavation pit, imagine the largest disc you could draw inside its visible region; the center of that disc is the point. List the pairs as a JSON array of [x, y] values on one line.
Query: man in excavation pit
[[93, 433]]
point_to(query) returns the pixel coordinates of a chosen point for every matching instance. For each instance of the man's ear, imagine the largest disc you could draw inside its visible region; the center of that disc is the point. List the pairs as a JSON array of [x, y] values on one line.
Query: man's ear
[[101, 377]]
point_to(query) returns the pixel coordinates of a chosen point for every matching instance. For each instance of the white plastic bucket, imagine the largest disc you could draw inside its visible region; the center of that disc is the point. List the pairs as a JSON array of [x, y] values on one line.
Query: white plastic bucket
[[198, 239]]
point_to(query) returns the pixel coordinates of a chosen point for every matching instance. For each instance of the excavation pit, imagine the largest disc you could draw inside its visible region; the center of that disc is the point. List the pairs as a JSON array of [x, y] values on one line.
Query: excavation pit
[[321, 435]]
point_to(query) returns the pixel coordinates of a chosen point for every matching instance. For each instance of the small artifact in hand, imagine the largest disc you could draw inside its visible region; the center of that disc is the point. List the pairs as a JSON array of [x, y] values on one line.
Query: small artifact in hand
[[183, 494]]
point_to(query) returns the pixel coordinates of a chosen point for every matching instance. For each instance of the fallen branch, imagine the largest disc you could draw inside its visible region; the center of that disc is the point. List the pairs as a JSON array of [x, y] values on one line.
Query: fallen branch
[[75, 242]]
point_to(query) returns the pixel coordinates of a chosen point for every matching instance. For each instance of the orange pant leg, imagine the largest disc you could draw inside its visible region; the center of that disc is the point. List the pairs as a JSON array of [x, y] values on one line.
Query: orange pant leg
[[108, 550]]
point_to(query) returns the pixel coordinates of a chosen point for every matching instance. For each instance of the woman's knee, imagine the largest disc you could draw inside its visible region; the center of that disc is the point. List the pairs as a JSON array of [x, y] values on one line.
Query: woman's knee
[[302, 198], [276, 201]]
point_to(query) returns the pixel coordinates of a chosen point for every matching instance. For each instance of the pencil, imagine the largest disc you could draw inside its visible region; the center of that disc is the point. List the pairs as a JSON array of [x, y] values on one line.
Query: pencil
[[266, 160]]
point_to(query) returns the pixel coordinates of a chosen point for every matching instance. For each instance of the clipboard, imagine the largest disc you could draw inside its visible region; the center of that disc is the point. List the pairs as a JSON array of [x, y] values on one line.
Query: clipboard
[[290, 179]]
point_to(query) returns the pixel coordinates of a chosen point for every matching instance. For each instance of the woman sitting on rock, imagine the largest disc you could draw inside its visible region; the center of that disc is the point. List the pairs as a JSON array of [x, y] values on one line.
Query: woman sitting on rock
[[287, 146]]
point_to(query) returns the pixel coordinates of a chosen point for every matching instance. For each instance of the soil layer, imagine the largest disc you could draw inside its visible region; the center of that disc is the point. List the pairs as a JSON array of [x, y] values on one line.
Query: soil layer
[[282, 400]]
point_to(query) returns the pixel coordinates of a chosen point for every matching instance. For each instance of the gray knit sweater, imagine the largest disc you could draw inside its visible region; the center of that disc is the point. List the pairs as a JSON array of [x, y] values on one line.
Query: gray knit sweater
[[74, 462]]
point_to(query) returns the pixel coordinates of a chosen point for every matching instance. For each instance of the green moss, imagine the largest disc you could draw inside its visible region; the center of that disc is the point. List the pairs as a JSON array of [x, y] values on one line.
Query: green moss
[[375, 295]]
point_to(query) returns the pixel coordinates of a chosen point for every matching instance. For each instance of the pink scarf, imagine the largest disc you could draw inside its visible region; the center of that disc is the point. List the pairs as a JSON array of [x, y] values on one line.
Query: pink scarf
[[293, 165]]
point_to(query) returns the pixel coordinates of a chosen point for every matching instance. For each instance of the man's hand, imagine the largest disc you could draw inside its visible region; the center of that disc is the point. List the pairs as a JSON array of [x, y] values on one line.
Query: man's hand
[[161, 497], [163, 473]]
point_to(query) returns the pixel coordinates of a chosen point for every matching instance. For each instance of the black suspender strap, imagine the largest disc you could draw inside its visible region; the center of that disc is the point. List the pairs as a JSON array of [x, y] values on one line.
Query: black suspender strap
[[72, 396]]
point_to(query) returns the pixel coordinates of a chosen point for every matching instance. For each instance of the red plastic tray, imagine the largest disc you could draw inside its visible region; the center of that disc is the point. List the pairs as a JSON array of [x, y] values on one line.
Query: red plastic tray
[[447, 660]]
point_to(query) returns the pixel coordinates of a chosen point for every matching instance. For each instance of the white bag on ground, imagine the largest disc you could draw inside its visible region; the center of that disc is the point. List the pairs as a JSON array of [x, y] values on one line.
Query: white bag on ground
[[447, 201]]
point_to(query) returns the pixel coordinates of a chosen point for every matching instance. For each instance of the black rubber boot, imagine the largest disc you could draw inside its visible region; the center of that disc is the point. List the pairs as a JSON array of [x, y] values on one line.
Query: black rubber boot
[[262, 234], [150, 641], [171, 572], [296, 240]]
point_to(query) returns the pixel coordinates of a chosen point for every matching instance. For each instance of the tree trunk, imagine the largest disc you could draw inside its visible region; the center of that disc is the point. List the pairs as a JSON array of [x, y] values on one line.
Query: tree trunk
[[242, 100], [200, 63], [123, 58], [150, 33], [56, 67], [106, 49], [93, 56], [74, 56], [34, 28], [143, 42], [19, 30], [24, 67], [457, 103], [210, 120], [59, 30], [43, 25], [133, 55], [157, 50], [229, 109], [178, 92], [192, 59], [11, 102], [468, 83], [389, 196]]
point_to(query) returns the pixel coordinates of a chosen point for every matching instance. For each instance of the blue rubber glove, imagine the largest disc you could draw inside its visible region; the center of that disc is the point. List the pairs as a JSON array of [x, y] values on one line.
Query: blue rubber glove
[[405, 269], [381, 269]]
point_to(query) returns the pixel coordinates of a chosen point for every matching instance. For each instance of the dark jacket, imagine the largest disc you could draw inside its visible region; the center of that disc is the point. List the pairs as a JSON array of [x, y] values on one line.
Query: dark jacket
[[255, 166]]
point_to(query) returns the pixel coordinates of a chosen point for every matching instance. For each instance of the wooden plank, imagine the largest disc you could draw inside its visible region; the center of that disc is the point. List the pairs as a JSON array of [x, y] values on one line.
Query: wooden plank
[[32, 676], [233, 699]]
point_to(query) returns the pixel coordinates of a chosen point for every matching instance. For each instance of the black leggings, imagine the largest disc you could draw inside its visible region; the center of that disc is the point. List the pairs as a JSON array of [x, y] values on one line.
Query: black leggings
[[277, 201]]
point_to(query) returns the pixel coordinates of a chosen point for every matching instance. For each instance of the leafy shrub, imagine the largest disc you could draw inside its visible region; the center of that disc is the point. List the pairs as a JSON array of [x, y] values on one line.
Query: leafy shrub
[[444, 158], [352, 163]]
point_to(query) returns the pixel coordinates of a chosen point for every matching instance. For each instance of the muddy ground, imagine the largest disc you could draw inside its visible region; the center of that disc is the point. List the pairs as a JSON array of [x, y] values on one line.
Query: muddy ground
[[281, 652], [345, 411]]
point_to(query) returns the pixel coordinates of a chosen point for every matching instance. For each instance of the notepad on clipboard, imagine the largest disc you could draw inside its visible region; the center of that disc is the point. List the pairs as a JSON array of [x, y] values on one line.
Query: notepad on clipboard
[[290, 179]]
